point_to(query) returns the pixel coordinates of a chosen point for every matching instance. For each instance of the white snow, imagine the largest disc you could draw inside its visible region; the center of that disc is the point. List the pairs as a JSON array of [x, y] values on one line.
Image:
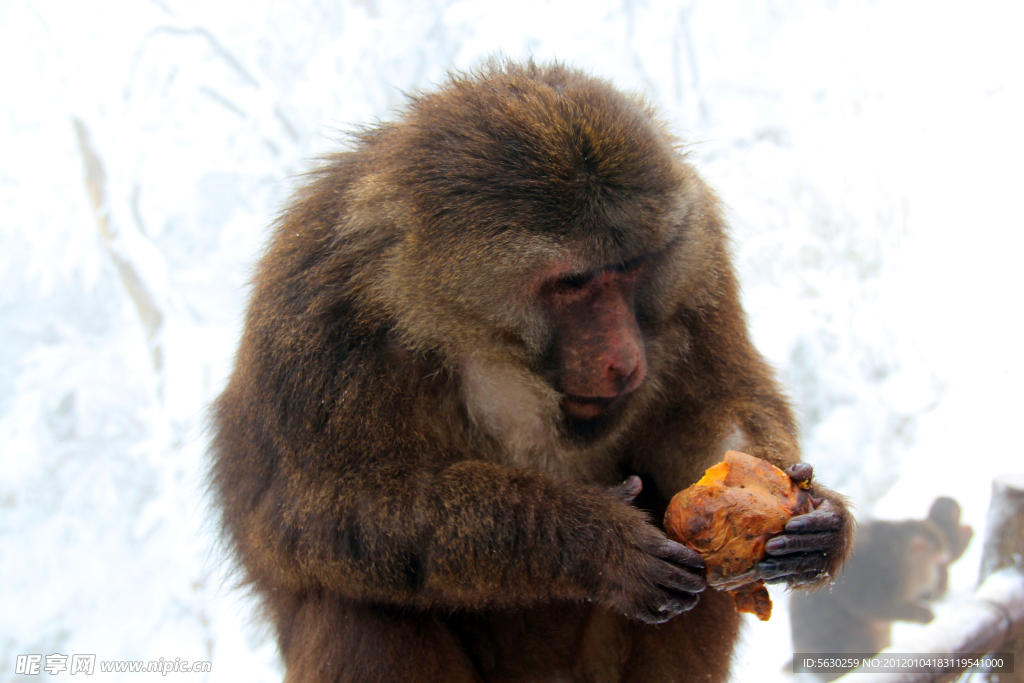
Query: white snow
[[868, 152]]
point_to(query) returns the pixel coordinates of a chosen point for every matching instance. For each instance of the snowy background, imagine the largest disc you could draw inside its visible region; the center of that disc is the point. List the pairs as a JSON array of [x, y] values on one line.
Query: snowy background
[[869, 153]]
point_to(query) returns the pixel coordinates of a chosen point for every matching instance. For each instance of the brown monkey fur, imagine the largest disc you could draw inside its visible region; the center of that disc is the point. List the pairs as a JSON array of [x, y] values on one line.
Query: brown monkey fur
[[898, 567], [465, 331]]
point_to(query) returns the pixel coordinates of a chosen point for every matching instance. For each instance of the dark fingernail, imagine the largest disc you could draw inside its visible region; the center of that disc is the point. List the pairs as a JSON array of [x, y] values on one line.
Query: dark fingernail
[[801, 471], [768, 566], [775, 545], [796, 525]]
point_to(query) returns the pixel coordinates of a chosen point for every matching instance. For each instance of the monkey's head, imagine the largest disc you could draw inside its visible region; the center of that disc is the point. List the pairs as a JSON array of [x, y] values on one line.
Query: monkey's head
[[546, 222]]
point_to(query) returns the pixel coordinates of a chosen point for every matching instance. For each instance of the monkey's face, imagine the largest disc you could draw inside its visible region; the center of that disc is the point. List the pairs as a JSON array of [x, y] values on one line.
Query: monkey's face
[[599, 353], [927, 559]]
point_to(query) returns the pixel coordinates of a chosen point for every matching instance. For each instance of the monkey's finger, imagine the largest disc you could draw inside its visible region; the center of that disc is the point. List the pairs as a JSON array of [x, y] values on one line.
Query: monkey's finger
[[680, 581], [628, 490], [668, 606], [799, 543], [825, 518], [794, 564], [679, 554], [800, 472]]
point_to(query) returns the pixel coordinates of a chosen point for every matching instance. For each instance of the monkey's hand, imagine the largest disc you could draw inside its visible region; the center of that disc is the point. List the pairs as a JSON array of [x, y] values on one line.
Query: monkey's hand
[[655, 579], [813, 546]]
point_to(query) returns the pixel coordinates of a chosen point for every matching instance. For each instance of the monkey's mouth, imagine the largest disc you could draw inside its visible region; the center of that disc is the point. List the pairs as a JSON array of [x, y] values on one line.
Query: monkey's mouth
[[587, 407]]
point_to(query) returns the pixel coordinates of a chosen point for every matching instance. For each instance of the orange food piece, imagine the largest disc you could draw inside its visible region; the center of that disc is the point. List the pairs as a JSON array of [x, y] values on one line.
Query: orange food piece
[[729, 515]]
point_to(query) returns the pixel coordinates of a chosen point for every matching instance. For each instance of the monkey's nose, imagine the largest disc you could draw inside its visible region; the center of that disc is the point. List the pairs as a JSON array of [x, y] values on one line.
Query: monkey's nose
[[626, 369]]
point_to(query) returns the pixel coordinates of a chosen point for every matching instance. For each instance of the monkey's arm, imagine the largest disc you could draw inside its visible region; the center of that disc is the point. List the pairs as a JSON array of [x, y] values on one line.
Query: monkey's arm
[[354, 499]]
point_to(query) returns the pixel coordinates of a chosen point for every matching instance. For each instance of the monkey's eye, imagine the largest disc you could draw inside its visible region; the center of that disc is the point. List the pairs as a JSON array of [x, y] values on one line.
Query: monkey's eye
[[574, 281]]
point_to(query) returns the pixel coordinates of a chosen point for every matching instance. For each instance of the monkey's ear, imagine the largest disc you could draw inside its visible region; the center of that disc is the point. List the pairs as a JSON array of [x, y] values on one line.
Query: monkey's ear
[[945, 510]]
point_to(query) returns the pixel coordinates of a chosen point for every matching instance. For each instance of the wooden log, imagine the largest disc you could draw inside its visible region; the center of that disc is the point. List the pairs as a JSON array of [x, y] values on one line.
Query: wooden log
[[1004, 548], [1004, 538]]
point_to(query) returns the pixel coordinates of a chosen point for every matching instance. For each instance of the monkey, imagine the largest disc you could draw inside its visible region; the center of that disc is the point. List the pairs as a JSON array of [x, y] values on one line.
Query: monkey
[[896, 569], [486, 341]]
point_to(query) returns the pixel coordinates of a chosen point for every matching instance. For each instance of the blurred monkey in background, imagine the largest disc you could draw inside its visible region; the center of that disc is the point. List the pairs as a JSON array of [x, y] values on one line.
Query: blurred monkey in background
[[896, 569]]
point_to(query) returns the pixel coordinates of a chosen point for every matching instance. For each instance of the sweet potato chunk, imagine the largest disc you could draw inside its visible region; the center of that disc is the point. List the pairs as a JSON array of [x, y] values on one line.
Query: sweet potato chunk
[[729, 515]]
